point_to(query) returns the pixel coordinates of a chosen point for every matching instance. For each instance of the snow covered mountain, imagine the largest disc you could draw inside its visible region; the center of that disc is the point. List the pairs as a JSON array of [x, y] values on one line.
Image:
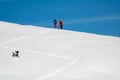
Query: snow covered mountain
[[53, 54]]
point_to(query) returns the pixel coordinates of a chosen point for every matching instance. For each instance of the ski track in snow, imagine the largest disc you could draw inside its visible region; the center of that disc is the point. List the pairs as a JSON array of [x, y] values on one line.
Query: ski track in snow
[[15, 39], [49, 54]]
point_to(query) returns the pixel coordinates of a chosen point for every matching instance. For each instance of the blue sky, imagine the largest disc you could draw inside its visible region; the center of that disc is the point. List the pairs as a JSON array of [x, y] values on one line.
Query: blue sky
[[94, 16]]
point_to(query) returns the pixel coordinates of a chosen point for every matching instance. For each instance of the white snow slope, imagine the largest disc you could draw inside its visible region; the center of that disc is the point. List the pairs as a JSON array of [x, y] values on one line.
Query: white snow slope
[[52, 54]]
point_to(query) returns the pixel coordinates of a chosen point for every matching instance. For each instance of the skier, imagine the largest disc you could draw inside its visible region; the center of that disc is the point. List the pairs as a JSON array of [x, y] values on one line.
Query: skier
[[61, 24], [55, 23], [15, 54]]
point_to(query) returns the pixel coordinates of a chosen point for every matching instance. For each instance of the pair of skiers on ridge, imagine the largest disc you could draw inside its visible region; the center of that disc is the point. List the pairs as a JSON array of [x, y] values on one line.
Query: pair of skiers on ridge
[[60, 23]]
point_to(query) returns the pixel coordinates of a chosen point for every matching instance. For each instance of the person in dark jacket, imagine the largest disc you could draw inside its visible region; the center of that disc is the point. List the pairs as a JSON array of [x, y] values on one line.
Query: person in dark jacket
[[61, 24], [55, 23]]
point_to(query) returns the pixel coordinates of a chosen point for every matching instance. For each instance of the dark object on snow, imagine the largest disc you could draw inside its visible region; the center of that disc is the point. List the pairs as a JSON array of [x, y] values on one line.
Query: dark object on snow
[[15, 54], [61, 24]]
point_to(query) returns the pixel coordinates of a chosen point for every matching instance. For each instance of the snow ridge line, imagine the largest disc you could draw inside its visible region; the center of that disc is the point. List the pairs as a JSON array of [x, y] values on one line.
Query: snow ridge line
[[48, 54], [50, 74], [15, 39], [59, 70], [22, 37]]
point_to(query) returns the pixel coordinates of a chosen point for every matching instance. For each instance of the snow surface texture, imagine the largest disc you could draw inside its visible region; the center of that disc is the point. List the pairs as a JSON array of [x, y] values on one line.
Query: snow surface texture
[[52, 54]]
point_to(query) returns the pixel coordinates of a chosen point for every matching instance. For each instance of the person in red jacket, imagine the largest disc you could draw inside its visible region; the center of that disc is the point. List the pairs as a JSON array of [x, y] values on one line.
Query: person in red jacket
[[55, 23], [61, 24]]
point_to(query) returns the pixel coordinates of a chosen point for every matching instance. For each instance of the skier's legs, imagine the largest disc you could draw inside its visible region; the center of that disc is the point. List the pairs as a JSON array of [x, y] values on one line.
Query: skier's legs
[[55, 25], [61, 26]]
